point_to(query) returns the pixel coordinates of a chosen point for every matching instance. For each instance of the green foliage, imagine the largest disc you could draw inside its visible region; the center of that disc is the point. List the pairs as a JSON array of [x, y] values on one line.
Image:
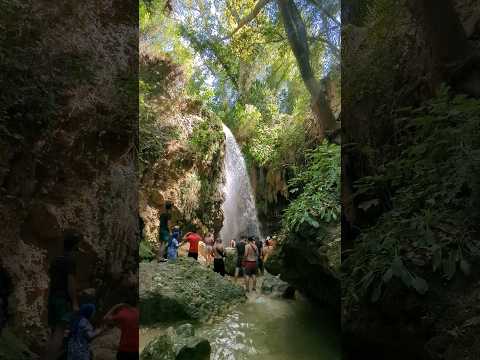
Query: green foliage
[[318, 185], [206, 139], [432, 192], [145, 251]]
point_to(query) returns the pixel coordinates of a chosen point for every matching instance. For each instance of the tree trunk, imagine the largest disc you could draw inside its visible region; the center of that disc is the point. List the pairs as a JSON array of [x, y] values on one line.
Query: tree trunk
[[454, 61], [297, 38]]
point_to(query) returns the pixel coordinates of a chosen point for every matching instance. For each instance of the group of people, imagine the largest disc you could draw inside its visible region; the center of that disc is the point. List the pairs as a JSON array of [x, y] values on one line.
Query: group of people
[[252, 252], [71, 321]]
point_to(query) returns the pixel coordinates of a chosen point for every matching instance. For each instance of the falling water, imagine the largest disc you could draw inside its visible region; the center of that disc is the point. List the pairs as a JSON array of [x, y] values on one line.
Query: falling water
[[239, 211]]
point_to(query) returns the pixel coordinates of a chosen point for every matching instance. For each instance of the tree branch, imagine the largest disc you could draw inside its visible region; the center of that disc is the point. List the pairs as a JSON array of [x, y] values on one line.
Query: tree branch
[[325, 12], [247, 19]]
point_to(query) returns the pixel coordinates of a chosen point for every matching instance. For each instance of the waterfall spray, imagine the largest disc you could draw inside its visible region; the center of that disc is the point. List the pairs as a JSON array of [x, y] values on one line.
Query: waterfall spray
[[239, 210]]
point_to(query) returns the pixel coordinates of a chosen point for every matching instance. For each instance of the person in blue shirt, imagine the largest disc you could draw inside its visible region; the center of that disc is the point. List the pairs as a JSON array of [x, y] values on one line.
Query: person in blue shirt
[[173, 243]]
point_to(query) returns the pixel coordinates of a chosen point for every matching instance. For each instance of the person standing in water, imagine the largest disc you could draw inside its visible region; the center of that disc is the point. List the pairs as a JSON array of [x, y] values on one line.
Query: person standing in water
[[218, 255], [250, 264], [163, 231], [240, 246], [62, 297], [267, 249], [193, 239], [209, 243], [259, 245]]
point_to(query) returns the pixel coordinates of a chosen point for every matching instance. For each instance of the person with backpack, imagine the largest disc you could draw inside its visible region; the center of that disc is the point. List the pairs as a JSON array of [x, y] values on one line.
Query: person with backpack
[[250, 264]]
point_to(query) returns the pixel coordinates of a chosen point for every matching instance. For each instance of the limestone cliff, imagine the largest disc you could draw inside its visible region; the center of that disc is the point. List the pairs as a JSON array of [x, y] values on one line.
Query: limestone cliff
[[188, 168]]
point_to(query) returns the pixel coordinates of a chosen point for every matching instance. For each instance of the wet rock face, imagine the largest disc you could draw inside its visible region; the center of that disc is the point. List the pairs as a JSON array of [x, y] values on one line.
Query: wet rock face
[[178, 344], [183, 290], [274, 286], [310, 263]]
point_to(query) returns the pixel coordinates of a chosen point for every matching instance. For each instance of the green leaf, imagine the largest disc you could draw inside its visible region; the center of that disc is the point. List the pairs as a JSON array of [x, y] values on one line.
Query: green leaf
[[465, 267], [388, 275], [420, 285]]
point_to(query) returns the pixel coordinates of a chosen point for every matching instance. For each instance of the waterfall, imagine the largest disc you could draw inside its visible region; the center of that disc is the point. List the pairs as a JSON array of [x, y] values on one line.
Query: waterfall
[[239, 210]]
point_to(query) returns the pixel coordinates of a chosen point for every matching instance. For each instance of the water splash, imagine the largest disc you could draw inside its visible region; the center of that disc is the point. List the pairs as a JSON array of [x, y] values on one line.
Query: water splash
[[239, 210]]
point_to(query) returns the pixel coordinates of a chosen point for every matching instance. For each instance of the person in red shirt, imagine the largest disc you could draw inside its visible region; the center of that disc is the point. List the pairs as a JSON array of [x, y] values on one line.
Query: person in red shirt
[[193, 239], [126, 317]]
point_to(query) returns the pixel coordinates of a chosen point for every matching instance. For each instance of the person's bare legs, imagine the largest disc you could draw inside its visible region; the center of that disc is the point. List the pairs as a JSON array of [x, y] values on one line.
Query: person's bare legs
[[247, 283], [254, 280], [54, 346]]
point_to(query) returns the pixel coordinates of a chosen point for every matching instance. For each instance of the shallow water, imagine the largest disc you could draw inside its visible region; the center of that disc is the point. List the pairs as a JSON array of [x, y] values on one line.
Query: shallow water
[[270, 329]]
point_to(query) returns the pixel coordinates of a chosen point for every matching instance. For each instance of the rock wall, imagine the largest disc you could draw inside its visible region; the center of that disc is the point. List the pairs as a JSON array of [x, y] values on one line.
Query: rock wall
[[310, 262], [387, 66], [187, 175], [68, 129]]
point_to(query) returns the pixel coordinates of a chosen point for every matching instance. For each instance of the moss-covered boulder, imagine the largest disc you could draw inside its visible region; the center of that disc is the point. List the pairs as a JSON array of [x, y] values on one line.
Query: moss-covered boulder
[[178, 344], [183, 290], [274, 286], [160, 348]]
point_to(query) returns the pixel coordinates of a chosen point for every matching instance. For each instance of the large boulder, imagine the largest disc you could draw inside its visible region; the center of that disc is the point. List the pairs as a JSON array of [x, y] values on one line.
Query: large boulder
[[309, 260], [183, 290], [178, 344], [194, 348], [274, 286]]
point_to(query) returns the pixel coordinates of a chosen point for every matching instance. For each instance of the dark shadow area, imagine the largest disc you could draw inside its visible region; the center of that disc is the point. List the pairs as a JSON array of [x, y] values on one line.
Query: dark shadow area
[[410, 179], [68, 172]]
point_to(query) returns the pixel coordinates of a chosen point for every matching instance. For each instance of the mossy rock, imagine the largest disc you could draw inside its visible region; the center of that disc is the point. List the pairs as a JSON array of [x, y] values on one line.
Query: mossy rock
[[194, 348], [160, 348], [183, 290], [12, 348]]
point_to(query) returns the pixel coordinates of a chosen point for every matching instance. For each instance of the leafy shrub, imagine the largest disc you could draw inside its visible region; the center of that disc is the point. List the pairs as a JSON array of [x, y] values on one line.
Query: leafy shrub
[[318, 186], [206, 139], [145, 251], [432, 192]]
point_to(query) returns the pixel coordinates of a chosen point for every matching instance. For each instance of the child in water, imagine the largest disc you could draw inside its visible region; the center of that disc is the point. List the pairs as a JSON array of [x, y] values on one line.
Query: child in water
[[81, 334], [173, 243]]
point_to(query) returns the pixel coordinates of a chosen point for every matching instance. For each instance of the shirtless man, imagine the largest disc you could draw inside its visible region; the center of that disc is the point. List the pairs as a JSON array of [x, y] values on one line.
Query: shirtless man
[[250, 264], [267, 250]]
